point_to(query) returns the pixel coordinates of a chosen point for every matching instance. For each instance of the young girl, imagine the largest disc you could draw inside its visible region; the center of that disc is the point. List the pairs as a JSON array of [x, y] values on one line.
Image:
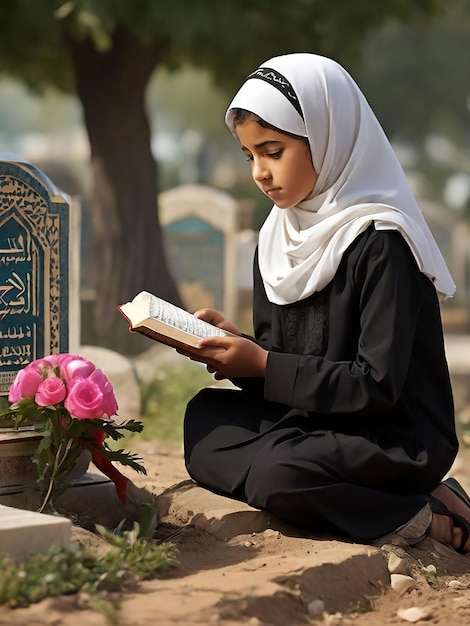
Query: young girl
[[342, 419]]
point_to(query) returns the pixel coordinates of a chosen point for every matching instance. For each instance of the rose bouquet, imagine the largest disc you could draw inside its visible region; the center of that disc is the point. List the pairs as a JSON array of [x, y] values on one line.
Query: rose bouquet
[[72, 403]]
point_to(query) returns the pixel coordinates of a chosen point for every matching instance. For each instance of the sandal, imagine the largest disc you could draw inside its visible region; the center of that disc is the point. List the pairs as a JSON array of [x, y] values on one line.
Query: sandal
[[457, 488]]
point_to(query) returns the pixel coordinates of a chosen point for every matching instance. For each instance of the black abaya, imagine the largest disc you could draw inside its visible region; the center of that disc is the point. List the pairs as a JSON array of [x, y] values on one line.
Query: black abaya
[[353, 425]]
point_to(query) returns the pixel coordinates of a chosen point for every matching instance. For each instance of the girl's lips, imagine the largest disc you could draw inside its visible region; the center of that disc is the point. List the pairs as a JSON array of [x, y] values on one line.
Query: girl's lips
[[272, 192]]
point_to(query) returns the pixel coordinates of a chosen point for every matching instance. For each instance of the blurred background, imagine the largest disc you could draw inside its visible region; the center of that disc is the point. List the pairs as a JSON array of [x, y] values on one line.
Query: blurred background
[[122, 105], [117, 105]]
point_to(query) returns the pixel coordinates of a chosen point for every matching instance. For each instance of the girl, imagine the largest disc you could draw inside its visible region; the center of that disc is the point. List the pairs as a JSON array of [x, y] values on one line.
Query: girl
[[342, 419]]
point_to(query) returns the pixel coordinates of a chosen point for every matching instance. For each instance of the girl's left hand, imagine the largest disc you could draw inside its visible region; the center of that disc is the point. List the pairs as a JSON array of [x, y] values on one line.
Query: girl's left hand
[[232, 357]]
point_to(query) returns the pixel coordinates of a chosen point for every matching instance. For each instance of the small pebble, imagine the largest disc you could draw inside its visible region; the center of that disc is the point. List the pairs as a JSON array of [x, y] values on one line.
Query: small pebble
[[415, 613], [431, 569], [397, 565], [402, 583], [456, 584], [316, 607]]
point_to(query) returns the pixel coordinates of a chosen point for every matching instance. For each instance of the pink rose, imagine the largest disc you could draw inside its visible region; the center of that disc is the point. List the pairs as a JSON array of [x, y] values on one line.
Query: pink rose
[[85, 399], [25, 384], [110, 405], [51, 391], [51, 361], [75, 367], [44, 367], [58, 359]]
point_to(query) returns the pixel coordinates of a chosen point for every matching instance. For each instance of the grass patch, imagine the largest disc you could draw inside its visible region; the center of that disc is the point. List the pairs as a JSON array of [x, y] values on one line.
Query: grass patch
[[133, 557], [164, 400]]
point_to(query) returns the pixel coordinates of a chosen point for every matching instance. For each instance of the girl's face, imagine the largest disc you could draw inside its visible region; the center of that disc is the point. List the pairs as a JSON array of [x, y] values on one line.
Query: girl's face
[[281, 165]]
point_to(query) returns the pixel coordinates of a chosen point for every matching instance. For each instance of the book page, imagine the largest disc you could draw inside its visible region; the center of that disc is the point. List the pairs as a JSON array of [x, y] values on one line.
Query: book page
[[178, 318]]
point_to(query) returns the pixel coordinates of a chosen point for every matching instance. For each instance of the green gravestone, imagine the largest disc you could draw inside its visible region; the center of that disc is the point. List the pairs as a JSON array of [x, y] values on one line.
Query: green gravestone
[[195, 254], [34, 267], [200, 227]]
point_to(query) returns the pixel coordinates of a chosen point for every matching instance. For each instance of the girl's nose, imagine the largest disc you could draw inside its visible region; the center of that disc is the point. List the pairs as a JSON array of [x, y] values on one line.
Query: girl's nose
[[260, 171]]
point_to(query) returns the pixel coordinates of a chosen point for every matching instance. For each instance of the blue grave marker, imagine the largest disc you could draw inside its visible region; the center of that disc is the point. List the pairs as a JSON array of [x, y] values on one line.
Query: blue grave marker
[[200, 226], [195, 253], [34, 266]]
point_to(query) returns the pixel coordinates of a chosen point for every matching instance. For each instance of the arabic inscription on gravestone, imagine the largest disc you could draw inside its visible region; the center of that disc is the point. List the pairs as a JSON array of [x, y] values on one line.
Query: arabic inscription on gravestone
[[34, 253]]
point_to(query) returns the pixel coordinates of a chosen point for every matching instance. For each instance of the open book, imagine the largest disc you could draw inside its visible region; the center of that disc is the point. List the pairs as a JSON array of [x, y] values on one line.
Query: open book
[[166, 323]]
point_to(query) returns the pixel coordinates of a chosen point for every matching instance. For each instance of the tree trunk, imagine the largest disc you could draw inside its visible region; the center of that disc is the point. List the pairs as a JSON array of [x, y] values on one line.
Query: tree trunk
[[128, 247]]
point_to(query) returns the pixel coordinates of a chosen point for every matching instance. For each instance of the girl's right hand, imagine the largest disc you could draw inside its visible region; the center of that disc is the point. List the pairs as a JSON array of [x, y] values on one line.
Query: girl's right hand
[[216, 318]]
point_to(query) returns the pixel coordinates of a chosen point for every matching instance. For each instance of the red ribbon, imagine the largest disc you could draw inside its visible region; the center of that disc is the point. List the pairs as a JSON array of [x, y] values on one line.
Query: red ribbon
[[105, 465]]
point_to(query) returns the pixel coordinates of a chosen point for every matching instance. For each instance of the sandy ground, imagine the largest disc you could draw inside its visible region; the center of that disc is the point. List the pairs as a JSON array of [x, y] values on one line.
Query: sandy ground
[[267, 577]]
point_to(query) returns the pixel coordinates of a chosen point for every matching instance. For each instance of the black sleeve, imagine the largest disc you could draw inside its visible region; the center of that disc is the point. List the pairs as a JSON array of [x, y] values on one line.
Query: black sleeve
[[387, 286]]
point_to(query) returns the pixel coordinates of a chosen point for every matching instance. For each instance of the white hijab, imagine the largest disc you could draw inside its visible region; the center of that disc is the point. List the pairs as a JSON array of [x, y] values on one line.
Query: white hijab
[[360, 180]]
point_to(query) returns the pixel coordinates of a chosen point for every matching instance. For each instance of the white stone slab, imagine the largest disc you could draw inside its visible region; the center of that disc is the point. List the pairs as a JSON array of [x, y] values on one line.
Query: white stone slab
[[23, 533]]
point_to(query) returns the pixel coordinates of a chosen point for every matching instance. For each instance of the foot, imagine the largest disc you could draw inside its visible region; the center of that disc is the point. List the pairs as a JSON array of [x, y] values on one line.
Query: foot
[[442, 526]]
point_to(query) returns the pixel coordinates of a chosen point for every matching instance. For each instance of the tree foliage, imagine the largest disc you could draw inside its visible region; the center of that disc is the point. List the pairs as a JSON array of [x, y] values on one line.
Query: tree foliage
[[425, 65], [228, 37]]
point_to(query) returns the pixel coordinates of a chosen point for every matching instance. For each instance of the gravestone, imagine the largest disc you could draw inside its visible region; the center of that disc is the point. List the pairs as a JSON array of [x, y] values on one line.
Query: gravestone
[[38, 269], [200, 226], [39, 290], [39, 315]]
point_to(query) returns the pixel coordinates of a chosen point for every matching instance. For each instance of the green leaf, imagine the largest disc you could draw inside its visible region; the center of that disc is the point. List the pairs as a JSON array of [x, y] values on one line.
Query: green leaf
[[42, 455], [125, 458], [148, 521], [4, 406], [114, 538], [76, 427], [44, 444], [113, 429], [26, 411]]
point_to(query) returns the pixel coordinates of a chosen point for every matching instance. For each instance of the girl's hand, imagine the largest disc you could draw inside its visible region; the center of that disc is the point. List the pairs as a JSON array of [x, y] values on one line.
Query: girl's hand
[[217, 319], [232, 357]]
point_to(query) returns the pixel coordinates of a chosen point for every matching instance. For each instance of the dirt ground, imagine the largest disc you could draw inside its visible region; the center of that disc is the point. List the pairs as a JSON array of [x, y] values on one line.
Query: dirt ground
[[270, 577]]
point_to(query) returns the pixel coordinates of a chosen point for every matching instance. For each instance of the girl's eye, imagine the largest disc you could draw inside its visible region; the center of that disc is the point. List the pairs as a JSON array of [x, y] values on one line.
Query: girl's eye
[[248, 157], [275, 155]]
